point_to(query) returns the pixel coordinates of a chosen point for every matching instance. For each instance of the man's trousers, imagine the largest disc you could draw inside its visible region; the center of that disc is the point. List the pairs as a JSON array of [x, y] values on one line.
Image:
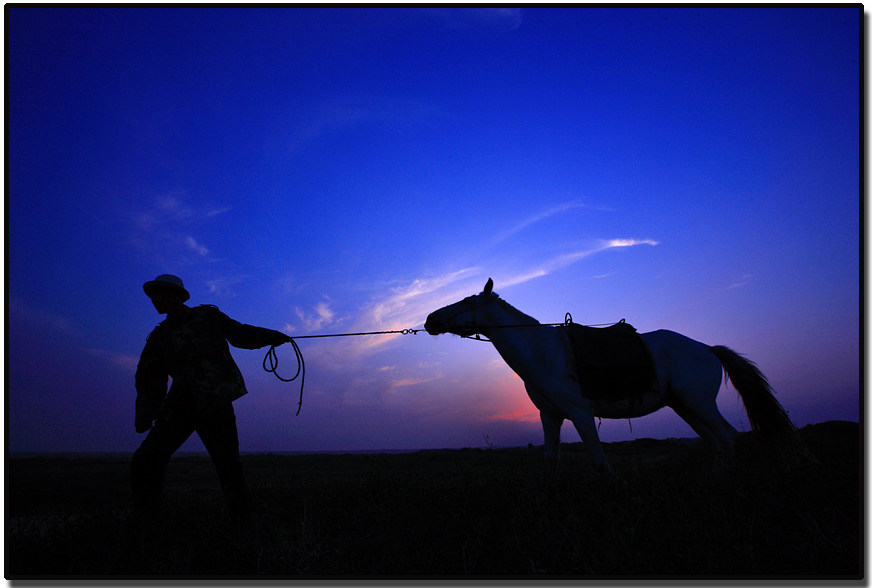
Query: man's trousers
[[217, 431]]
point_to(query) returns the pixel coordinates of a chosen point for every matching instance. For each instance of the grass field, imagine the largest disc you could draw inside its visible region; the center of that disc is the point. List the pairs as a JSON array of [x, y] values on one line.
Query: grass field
[[670, 511]]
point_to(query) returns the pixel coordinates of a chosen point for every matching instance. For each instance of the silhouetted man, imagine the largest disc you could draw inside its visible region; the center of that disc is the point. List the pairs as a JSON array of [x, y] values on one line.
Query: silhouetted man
[[191, 347]]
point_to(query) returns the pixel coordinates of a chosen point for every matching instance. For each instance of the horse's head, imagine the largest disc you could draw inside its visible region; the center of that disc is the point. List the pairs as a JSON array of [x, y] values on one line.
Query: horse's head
[[460, 318]]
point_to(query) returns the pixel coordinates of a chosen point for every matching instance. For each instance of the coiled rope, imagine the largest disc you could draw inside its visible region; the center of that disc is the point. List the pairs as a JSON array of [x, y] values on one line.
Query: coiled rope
[[273, 360]]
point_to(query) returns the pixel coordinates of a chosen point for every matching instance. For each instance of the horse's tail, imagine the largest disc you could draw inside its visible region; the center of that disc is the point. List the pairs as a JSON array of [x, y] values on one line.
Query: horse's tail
[[765, 413]]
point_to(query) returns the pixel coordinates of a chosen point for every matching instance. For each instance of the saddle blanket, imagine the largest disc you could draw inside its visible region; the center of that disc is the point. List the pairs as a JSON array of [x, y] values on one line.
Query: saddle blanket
[[610, 363]]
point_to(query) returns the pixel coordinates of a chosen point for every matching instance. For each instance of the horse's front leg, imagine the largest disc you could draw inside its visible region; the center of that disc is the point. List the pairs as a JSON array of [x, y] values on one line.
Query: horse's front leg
[[551, 427]]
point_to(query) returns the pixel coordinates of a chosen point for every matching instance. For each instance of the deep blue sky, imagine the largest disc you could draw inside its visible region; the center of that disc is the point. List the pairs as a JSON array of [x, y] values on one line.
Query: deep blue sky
[[334, 170]]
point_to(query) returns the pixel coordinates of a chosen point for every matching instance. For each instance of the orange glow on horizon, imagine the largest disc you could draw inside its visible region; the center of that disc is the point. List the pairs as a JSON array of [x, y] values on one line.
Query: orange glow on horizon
[[508, 401], [519, 415]]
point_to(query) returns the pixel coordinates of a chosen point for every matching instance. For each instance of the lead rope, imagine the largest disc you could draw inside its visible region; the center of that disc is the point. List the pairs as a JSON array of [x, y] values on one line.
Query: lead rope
[[273, 360]]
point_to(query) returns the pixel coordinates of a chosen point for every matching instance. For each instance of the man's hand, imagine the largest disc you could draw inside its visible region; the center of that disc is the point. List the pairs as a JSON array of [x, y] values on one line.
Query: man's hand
[[280, 339]]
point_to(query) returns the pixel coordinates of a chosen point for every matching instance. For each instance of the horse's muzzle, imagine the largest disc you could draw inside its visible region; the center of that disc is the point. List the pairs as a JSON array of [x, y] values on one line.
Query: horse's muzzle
[[433, 326]]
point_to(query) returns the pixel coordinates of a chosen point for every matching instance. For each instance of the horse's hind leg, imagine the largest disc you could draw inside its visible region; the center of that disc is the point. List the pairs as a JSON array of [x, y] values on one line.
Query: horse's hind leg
[[724, 432], [710, 425], [694, 384]]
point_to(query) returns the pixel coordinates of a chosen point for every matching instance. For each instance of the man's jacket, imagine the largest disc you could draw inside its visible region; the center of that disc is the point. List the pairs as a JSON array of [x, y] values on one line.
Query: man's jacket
[[192, 350]]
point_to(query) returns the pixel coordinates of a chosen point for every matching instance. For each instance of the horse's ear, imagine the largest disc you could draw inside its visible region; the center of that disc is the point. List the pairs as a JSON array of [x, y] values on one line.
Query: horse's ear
[[489, 287]]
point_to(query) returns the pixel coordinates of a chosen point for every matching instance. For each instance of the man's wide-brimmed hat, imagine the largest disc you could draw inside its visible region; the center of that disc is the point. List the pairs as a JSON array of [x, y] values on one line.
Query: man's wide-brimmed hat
[[166, 282]]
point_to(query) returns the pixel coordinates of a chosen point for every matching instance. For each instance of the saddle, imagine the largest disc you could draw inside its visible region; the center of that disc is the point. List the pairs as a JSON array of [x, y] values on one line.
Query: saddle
[[610, 363]]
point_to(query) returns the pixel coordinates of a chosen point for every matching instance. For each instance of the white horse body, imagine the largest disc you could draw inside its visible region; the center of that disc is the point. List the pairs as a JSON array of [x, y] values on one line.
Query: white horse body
[[689, 375]]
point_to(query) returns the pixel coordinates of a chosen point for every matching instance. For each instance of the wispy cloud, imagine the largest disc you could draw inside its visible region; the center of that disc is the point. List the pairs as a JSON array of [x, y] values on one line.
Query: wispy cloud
[[405, 382], [123, 361], [743, 282], [60, 327], [321, 316], [628, 243], [174, 206], [224, 286], [219, 210], [196, 247], [407, 302], [46, 320], [514, 280], [166, 230], [499, 238], [602, 245], [406, 306], [567, 259], [165, 208]]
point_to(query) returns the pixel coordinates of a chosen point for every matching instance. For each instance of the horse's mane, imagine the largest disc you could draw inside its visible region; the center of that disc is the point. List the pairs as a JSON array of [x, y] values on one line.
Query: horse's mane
[[520, 316]]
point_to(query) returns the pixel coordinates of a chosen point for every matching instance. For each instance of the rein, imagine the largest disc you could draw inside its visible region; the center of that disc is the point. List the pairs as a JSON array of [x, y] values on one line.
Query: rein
[[476, 336], [567, 320]]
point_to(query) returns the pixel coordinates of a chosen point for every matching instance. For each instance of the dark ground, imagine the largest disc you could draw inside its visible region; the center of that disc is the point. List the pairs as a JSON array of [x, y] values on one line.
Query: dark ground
[[670, 511]]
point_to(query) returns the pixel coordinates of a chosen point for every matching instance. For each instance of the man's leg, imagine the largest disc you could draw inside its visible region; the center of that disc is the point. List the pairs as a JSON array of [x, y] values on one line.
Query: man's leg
[[217, 430], [149, 463]]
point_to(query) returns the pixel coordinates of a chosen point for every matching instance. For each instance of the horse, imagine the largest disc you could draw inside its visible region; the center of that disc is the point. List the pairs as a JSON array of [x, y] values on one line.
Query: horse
[[688, 377]]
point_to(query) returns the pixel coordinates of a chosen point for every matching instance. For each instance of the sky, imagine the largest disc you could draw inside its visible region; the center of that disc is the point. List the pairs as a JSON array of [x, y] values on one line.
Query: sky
[[336, 170]]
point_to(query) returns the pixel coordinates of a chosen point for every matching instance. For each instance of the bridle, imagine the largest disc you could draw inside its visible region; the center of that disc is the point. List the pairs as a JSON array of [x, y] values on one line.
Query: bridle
[[448, 322], [567, 320]]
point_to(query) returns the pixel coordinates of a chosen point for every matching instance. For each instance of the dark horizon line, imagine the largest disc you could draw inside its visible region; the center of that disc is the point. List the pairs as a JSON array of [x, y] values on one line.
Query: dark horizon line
[[73, 454]]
